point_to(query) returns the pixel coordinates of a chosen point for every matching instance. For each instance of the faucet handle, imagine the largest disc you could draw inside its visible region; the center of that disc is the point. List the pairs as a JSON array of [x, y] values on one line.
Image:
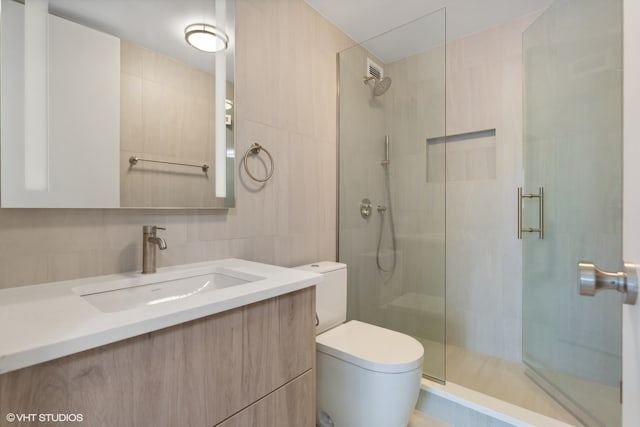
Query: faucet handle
[[151, 229]]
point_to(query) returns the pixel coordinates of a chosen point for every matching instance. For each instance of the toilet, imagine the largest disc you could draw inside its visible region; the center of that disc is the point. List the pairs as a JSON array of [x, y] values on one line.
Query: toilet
[[367, 376]]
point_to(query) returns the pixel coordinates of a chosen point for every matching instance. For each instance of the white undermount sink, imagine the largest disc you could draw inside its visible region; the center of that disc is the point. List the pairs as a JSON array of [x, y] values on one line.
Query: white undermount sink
[[153, 289], [85, 313]]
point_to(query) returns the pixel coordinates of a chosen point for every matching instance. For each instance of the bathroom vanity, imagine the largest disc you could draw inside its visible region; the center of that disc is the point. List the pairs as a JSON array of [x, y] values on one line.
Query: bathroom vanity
[[223, 356]]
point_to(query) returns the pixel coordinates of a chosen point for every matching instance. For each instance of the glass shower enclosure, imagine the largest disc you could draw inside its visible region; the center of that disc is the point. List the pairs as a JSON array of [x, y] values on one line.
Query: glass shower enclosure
[[573, 150], [392, 182]]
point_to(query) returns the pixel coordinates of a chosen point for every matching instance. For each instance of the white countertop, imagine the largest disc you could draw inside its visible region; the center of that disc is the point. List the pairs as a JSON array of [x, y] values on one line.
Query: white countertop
[[43, 322]]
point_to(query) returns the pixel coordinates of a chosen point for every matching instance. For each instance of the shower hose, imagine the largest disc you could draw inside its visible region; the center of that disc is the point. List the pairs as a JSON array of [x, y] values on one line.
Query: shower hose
[[382, 211]]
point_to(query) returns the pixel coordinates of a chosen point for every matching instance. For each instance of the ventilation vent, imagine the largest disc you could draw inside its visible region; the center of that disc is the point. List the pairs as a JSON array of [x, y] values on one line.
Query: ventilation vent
[[374, 70]]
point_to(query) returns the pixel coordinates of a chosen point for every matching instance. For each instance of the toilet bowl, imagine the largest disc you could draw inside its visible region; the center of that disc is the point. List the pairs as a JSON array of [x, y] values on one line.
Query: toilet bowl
[[367, 376]]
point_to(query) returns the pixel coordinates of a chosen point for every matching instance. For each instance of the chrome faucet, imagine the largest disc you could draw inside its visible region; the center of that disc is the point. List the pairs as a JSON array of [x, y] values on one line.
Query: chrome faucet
[[149, 243]]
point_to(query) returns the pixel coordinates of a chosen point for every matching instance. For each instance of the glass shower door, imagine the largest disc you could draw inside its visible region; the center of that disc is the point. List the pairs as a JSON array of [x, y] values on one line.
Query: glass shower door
[[392, 182], [573, 149]]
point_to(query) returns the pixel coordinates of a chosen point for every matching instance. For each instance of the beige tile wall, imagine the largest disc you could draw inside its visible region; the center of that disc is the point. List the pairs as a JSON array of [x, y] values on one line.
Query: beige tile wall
[[361, 176], [167, 114], [285, 98], [483, 255], [410, 298]]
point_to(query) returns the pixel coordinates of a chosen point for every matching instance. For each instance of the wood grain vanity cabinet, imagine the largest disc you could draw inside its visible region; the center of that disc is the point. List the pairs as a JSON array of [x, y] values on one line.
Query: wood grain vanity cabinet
[[250, 363]]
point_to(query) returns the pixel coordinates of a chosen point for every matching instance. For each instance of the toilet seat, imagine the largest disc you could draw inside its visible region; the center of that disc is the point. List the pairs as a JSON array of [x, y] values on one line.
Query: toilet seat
[[372, 347]]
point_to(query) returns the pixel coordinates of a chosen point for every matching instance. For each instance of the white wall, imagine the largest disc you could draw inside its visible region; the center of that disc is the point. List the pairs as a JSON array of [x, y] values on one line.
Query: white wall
[[74, 161]]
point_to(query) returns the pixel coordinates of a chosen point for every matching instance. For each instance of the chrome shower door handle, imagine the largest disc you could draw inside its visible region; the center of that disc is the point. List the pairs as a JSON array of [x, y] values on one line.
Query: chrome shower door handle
[[540, 198], [592, 280]]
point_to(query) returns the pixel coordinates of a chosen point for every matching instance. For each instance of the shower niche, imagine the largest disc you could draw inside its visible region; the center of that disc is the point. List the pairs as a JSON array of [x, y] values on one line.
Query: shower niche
[[466, 156]]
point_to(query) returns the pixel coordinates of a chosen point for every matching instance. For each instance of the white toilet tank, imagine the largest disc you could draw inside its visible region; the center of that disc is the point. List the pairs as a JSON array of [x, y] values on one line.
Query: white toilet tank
[[331, 294]]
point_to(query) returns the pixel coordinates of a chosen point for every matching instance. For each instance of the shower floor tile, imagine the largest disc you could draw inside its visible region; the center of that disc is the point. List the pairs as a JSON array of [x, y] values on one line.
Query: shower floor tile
[[418, 419], [502, 379]]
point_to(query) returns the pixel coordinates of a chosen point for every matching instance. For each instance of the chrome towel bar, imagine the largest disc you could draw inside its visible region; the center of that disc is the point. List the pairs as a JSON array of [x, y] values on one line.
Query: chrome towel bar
[[133, 160]]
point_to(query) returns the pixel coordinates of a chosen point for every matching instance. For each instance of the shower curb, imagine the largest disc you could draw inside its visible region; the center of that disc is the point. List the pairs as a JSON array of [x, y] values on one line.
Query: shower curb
[[461, 407]]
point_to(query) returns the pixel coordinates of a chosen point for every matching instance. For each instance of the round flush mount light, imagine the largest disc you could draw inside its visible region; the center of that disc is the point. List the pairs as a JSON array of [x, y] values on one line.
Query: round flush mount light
[[206, 37]]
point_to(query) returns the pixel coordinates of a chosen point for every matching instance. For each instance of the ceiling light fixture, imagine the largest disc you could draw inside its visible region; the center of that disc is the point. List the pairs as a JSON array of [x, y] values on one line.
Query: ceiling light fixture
[[206, 37]]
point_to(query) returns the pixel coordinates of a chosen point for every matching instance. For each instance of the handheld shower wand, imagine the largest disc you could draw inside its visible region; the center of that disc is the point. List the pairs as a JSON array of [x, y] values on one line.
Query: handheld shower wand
[[386, 151]]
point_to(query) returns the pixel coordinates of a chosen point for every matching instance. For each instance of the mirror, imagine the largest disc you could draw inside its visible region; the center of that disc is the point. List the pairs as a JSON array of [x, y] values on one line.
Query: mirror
[[105, 104]]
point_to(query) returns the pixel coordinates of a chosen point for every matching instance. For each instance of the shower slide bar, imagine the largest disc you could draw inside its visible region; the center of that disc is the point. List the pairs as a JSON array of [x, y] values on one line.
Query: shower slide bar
[[133, 160], [540, 197]]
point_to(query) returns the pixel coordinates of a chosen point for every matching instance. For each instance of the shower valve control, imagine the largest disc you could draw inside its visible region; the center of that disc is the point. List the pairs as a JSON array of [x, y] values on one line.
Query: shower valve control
[[365, 208], [593, 280]]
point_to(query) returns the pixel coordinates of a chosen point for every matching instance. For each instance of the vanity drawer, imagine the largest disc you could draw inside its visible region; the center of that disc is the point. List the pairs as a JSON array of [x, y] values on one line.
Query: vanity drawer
[[289, 406]]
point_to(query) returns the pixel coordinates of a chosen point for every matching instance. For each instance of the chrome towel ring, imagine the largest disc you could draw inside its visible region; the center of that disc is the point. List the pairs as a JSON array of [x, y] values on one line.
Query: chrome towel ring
[[255, 150]]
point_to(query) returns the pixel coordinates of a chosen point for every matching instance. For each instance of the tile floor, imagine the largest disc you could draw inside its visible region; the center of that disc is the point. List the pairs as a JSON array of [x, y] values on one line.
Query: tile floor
[[503, 380], [507, 381], [421, 420]]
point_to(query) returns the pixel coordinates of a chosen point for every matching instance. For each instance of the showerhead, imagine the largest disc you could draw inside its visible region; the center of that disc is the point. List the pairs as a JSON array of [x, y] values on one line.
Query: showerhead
[[380, 86]]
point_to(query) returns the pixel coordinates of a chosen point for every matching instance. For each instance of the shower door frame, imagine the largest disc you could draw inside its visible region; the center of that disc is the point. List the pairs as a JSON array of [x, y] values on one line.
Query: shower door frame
[[631, 208]]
